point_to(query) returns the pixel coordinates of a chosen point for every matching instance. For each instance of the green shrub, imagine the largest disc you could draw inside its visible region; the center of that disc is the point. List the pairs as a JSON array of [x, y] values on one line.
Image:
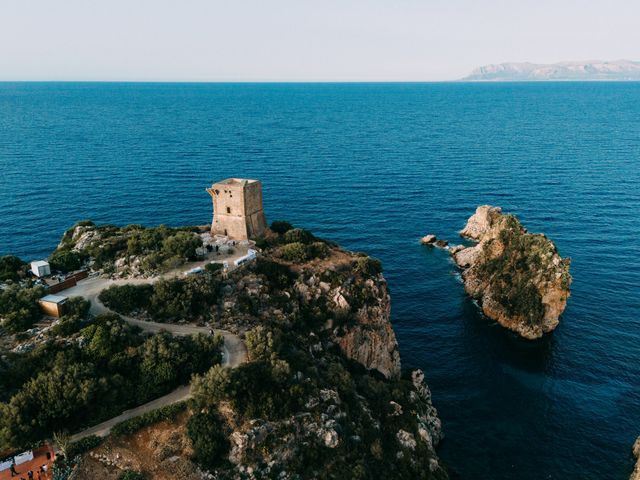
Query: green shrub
[[126, 298], [209, 440], [65, 260], [83, 445], [298, 235], [367, 266], [212, 387], [213, 267], [261, 345], [319, 250], [76, 307], [130, 475], [296, 252], [280, 227], [11, 267], [135, 424], [276, 273], [19, 307], [182, 245]]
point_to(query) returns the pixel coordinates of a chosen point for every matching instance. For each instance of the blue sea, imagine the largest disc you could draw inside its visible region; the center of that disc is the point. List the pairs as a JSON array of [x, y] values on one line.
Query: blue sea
[[375, 167]]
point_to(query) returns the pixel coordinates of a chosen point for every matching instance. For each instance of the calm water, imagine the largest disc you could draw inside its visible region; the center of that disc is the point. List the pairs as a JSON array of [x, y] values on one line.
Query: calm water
[[375, 167]]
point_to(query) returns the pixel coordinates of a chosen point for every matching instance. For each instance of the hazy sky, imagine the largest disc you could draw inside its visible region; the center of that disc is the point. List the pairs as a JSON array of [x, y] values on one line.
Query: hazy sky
[[211, 40]]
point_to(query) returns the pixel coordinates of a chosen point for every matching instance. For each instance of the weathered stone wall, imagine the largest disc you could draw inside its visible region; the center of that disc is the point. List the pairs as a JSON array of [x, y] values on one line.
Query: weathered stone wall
[[237, 209]]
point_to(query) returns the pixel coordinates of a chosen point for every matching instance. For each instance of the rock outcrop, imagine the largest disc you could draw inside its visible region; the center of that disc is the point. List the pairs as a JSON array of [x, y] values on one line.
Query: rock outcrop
[[635, 475], [371, 340], [518, 278]]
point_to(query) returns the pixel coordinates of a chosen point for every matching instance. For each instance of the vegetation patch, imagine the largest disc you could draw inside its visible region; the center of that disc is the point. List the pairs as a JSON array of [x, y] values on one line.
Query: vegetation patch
[[132, 425]]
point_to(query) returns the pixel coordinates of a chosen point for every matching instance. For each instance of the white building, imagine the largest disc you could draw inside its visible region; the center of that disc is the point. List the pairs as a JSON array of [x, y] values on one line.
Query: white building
[[40, 268], [251, 255]]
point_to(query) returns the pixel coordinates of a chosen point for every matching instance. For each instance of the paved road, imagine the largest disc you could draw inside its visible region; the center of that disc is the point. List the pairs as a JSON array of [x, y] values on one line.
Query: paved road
[[234, 350]]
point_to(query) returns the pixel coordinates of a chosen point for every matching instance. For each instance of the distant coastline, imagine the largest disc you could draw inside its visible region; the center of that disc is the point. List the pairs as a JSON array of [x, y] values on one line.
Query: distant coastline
[[595, 70]]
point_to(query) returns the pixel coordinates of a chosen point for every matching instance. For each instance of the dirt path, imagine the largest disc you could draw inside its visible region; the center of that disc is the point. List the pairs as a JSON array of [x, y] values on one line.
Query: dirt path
[[234, 350]]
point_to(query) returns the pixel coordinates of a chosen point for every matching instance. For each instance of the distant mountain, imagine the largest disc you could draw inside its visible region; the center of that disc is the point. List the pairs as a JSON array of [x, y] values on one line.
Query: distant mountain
[[591, 70]]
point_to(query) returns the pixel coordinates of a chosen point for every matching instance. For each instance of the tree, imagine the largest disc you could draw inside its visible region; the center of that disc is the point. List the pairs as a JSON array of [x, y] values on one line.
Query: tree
[[10, 267], [210, 443], [260, 344], [65, 260], [182, 244], [19, 307], [51, 401], [209, 389], [126, 298]]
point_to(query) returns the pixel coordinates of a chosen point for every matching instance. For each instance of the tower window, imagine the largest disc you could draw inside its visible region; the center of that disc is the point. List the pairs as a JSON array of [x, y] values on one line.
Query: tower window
[[228, 210]]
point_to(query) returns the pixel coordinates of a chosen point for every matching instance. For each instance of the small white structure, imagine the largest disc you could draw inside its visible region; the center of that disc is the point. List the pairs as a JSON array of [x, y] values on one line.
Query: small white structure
[[251, 255], [194, 271], [23, 457], [40, 268]]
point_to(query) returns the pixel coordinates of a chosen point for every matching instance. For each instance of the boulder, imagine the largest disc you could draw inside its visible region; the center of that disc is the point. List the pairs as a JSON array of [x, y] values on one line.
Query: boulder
[[428, 240]]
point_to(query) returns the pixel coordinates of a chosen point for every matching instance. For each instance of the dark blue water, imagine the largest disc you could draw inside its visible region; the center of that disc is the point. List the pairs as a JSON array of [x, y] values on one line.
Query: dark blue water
[[375, 167]]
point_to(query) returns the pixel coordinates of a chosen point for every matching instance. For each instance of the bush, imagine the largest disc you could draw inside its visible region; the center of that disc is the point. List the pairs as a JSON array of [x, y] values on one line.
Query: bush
[[76, 307], [65, 260], [19, 307], [298, 235], [280, 227], [182, 245], [295, 252], [367, 266], [10, 267], [83, 445], [132, 425], [130, 475], [212, 387], [210, 443], [213, 267], [276, 273], [126, 298], [319, 250], [261, 345]]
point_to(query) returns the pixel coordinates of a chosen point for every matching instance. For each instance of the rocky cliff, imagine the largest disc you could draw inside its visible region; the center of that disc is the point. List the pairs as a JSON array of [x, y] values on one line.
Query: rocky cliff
[[518, 278], [358, 312], [322, 395]]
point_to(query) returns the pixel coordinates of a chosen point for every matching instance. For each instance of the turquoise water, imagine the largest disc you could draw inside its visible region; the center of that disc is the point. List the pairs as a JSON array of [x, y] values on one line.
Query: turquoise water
[[375, 167]]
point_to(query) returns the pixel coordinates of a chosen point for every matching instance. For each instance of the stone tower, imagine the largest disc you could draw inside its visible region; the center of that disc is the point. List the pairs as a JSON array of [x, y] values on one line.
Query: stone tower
[[237, 208]]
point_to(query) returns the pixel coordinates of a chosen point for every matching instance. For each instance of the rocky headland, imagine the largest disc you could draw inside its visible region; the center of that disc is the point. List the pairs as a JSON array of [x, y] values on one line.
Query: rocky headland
[[518, 278], [321, 395]]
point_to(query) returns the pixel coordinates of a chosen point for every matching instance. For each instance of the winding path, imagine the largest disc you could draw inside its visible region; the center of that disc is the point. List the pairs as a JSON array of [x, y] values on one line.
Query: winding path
[[234, 350]]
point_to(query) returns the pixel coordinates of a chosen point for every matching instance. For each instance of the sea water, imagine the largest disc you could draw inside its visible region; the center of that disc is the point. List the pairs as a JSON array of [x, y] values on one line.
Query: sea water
[[375, 167]]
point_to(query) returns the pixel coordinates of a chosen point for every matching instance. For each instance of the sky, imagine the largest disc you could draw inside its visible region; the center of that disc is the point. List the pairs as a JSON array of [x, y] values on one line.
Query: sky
[[303, 40]]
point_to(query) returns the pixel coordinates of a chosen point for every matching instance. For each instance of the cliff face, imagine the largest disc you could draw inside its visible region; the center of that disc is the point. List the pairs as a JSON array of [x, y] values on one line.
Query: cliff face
[[371, 341], [518, 278], [359, 314]]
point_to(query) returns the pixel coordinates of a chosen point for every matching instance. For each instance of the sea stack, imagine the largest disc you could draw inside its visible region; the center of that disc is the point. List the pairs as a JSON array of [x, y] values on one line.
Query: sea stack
[[518, 278]]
